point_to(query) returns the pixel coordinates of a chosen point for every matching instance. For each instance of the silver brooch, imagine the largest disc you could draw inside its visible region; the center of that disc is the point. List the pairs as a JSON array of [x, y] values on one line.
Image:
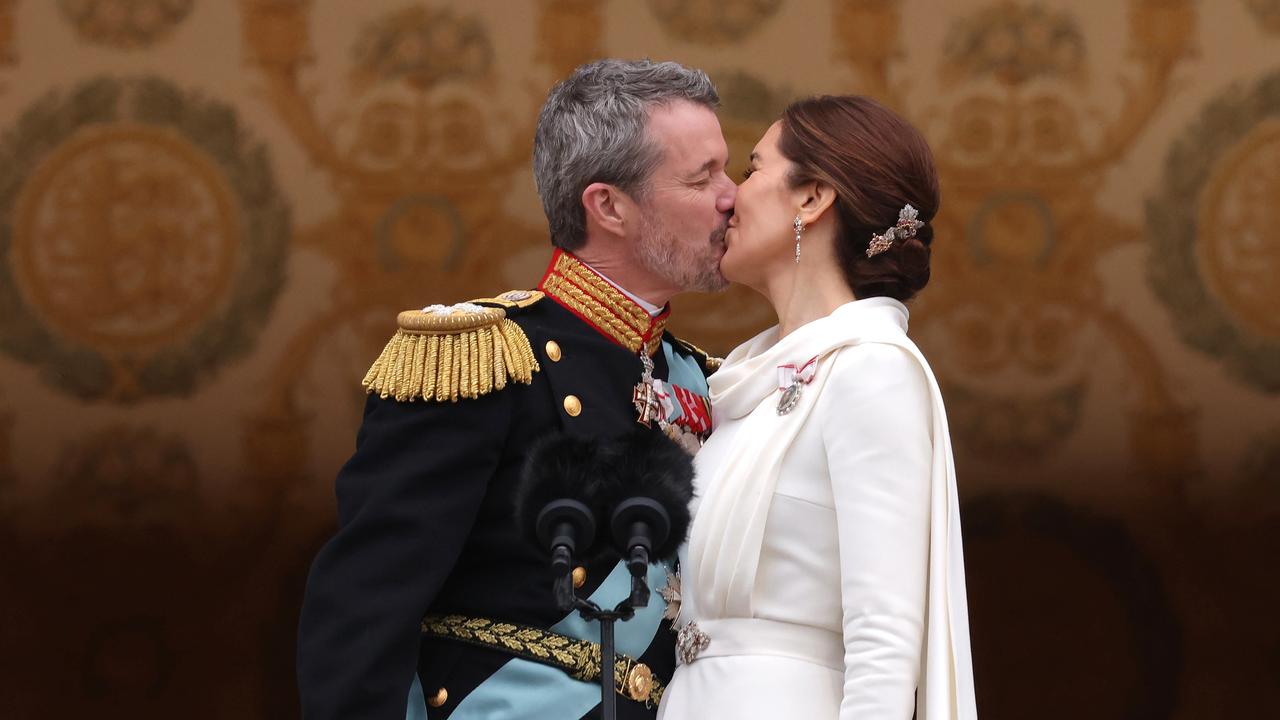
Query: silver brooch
[[791, 379], [690, 641], [790, 396]]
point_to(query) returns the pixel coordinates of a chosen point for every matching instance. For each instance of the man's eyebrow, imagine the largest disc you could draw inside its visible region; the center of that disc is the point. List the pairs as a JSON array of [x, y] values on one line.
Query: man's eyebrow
[[706, 167]]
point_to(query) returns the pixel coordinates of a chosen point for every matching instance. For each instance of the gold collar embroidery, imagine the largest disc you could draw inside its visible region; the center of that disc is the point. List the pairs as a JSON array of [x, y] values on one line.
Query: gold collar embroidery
[[585, 293]]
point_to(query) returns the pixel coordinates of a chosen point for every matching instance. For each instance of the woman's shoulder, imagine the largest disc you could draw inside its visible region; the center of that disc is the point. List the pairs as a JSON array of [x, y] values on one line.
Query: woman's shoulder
[[876, 370], [887, 355]]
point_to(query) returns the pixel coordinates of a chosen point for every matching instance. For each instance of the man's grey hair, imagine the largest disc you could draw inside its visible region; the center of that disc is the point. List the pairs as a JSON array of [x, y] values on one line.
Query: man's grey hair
[[592, 128]]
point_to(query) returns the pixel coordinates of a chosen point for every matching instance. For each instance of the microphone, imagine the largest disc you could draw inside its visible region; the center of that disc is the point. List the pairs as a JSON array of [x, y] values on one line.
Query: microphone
[[559, 526], [557, 501], [649, 499], [641, 484], [638, 524]]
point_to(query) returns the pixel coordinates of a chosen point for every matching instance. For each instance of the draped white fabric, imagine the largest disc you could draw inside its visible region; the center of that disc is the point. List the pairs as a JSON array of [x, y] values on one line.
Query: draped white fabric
[[889, 505]]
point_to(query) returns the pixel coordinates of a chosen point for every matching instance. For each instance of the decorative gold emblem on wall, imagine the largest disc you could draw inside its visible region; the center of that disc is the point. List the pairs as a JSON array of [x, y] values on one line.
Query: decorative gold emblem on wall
[[713, 22], [422, 46], [124, 24], [124, 478], [1214, 229], [1016, 301], [570, 31], [98, 236], [868, 39], [417, 158], [147, 240], [1238, 230], [1014, 43], [1266, 12]]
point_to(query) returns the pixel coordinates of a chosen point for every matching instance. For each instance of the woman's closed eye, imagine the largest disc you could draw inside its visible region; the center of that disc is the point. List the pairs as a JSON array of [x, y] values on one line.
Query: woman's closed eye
[[746, 174]]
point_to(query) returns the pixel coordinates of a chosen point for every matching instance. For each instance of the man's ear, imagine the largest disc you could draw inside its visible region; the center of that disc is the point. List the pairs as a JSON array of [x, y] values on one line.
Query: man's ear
[[607, 207], [816, 197]]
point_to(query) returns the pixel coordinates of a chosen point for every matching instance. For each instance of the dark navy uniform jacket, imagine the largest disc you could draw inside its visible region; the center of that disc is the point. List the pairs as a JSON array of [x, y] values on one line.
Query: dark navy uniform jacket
[[426, 525]]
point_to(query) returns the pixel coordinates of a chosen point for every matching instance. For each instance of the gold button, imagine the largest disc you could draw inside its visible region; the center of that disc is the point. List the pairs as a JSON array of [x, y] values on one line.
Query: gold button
[[639, 682], [553, 350], [440, 698], [579, 577], [572, 405]]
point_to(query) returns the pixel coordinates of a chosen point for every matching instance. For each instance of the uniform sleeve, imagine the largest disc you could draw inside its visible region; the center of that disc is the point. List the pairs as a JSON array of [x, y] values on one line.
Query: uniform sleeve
[[875, 416], [407, 500]]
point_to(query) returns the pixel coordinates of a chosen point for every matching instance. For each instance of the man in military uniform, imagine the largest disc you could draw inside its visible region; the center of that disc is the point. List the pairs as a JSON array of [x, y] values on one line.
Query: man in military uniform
[[428, 602]]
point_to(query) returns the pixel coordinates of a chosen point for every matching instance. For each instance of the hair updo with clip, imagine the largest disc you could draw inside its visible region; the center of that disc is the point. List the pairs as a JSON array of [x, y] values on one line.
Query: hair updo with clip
[[877, 163]]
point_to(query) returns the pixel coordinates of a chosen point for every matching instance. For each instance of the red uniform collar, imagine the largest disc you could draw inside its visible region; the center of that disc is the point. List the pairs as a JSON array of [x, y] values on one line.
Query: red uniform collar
[[587, 294]]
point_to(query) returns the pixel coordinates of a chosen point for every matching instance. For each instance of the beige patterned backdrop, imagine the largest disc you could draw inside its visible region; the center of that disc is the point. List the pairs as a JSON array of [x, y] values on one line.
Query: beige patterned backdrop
[[210, 211]]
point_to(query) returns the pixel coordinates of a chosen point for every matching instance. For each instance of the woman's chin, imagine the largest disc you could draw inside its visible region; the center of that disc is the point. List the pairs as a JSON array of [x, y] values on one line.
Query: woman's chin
[[731, 268], [738, 265]]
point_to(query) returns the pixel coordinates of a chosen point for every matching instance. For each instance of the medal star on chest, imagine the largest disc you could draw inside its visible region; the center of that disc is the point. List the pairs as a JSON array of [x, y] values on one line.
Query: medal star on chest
[[643, 396]]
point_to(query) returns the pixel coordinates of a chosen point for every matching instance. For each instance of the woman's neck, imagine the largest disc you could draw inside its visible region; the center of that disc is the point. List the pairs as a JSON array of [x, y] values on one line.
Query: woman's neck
[[804, 292]]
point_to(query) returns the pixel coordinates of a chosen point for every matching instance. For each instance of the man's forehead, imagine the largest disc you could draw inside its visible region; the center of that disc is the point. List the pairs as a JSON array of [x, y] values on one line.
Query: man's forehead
[[689, 129]]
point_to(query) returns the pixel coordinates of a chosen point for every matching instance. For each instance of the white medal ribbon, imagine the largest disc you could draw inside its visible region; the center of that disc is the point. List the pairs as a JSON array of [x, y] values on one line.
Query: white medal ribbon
[[665, 402], [789, 374], [791, 379]]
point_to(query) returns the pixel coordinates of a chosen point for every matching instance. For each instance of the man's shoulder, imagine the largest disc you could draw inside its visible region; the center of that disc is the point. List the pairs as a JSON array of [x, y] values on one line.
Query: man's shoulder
[[710, 363], [447, 353]]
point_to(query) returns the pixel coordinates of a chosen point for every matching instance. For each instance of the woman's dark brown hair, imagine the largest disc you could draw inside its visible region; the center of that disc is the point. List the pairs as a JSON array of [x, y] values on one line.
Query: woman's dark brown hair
[[877, 163]]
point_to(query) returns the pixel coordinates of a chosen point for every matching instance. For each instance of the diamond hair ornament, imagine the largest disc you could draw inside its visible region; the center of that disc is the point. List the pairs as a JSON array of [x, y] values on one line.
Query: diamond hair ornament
[[905, 228]]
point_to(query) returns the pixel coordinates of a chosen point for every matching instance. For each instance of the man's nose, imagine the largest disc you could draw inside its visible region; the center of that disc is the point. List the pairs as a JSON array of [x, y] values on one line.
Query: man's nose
[[724, 203]]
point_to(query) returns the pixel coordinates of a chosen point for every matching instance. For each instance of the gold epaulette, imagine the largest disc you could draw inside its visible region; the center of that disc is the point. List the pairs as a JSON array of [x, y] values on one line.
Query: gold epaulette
[[447, 352]]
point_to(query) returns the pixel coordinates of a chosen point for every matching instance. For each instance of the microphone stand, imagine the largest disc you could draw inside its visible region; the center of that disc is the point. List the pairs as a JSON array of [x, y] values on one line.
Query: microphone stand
[[637, 522], [624, 611]]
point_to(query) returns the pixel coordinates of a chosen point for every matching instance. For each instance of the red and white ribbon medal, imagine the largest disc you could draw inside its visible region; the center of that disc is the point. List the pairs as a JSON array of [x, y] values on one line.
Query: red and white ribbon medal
[[791, 379]]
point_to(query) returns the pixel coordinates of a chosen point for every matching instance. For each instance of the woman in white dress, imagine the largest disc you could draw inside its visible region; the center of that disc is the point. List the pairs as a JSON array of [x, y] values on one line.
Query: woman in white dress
[[823, 577]]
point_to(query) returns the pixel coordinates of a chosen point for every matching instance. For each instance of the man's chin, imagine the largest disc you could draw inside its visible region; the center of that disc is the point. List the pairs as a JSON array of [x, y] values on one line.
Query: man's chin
[[713, 282]]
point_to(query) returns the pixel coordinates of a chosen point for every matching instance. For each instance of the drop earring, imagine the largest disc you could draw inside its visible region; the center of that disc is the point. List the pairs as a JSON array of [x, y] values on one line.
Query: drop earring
[[798, 226]]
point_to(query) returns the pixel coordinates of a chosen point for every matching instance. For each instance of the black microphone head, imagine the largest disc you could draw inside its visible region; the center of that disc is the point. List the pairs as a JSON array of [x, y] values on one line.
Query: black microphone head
[[649, 464], [559, 467]]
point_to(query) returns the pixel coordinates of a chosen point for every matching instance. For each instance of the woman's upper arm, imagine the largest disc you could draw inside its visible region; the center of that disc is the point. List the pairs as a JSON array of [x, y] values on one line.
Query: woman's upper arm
[[876, 423]]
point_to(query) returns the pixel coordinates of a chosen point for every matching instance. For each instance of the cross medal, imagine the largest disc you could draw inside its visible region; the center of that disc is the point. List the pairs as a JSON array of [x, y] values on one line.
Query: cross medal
[[642, 396]]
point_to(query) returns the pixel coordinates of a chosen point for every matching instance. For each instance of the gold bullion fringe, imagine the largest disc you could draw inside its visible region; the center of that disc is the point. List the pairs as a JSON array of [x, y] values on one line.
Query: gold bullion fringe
[[447, 366]]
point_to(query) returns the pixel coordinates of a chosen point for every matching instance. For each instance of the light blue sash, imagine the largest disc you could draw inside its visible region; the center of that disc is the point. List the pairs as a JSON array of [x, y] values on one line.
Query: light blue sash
[[526, 689]]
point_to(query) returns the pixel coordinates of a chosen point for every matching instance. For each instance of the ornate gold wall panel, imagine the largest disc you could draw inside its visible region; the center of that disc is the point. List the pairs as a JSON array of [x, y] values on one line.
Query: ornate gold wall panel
[[211, 211]]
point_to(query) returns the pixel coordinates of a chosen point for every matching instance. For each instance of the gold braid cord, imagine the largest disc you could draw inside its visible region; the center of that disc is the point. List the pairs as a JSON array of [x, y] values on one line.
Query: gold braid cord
[[450, 353], [602, 305], [712, 362], [579, 658]]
